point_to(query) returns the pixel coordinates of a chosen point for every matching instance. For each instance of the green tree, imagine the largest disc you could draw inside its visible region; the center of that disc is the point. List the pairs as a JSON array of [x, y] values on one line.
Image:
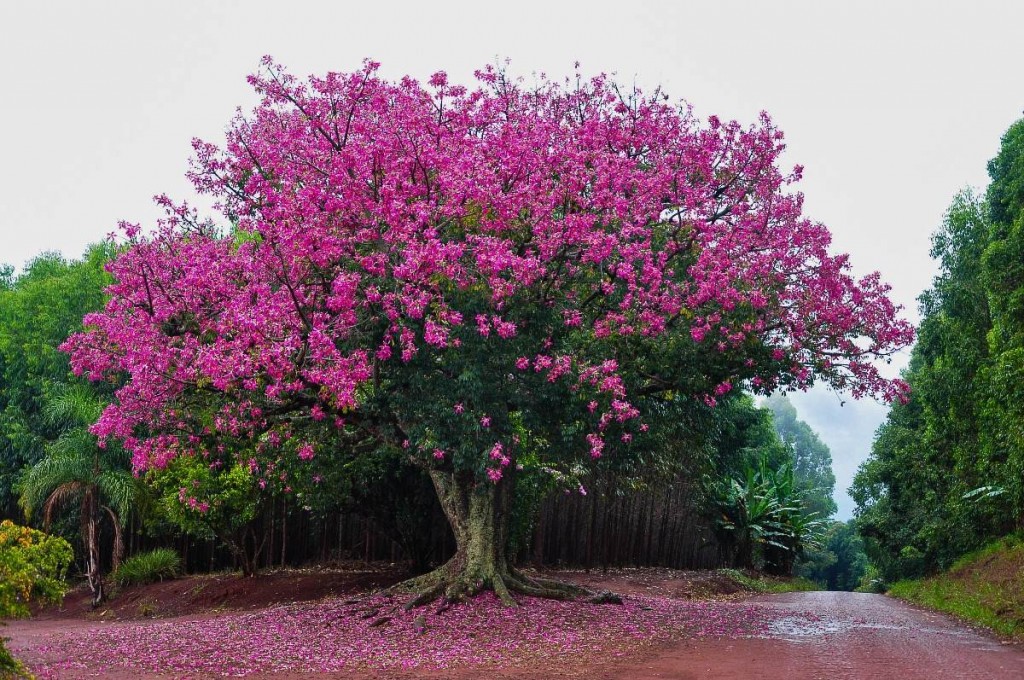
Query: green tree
[[914, 508], [77, 471], [840, 563], [1002, 400], [812, 460], [763, 513], [213, 501], [39, 308]]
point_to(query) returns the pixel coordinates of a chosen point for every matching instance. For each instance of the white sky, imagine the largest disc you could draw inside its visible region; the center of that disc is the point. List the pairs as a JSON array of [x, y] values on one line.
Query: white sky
[[890, 106]]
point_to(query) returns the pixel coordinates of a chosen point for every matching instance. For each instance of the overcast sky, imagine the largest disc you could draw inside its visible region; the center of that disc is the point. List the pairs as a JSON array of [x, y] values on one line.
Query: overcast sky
[[891, 107]]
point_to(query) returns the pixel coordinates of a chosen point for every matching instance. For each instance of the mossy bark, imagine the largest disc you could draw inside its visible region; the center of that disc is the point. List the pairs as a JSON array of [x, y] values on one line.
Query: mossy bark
[[478, 511]]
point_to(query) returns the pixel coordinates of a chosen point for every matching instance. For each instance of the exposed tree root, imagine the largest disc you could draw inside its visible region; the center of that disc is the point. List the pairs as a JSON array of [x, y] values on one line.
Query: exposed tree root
[[478, 513], [450, 585]]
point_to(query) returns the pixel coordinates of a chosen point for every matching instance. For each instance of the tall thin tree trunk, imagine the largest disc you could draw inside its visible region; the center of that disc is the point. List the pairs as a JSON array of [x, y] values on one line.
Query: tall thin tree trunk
[[118, 553], [284, 531], [94, 574]]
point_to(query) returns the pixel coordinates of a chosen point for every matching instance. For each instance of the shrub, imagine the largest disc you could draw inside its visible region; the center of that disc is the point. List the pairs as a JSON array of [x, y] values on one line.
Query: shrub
[[32, 568], [149, 567]]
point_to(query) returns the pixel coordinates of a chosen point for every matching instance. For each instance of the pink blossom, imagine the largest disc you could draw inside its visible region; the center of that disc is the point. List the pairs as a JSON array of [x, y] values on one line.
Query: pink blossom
[[569, 225]]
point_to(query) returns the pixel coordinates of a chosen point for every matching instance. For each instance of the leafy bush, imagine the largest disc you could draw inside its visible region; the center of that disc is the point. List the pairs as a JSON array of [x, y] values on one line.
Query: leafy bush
[[149, 567], [32, 568]]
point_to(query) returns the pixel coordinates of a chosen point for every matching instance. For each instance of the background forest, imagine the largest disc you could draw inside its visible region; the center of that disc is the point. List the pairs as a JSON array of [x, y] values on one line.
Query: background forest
[[946, 472], [738, 485]]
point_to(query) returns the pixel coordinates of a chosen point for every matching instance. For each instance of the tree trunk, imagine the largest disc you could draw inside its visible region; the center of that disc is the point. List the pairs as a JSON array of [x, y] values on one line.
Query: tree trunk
[[284, 530], [94, 574], [118, 553], [478, 512]]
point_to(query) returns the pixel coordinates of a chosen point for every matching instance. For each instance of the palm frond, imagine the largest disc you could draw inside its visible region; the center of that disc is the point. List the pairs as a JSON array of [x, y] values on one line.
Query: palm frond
[[53, 471], [77, 440], [120, 490], [73, 405], [61, 495]]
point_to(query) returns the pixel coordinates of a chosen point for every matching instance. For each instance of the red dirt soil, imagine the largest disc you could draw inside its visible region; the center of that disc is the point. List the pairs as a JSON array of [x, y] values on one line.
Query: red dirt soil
[[809, 635], [205, 594]]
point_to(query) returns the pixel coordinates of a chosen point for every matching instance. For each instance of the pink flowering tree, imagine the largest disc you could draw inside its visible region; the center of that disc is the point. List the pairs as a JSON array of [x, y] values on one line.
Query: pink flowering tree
[[483, 278]]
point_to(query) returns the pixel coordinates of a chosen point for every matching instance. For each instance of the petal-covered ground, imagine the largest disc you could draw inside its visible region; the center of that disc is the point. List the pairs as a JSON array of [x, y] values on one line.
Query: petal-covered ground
[[374, 633]]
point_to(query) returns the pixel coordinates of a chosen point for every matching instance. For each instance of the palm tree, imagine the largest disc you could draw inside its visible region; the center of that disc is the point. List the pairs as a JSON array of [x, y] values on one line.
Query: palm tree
[[77, 470], [765, 509], [748, 510], [798, 528]]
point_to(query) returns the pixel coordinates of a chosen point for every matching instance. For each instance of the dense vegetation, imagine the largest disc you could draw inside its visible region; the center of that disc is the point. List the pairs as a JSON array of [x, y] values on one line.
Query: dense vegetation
[[983, 587], [32, 570], [461, 328], [946, 472], [368, 508]]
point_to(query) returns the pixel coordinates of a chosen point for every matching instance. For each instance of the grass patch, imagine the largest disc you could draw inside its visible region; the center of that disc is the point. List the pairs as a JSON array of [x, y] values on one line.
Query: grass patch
[[149, 567], [762, 583], [985, 587]]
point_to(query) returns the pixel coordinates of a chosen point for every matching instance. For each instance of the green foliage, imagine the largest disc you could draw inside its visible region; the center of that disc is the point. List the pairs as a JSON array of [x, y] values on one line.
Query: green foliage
[[764, 514], [985, 587], [39, 308], [812, 460], [1006, 192], [947, 470], [149, 567], [77, 471], [872, 581], [32, 569], [761, 583], [75, 463], [840, 563], [206, 500]]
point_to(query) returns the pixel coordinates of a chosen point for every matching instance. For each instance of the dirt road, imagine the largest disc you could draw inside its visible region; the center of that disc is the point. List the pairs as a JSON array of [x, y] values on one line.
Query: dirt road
[[799, 636], [858, 636]]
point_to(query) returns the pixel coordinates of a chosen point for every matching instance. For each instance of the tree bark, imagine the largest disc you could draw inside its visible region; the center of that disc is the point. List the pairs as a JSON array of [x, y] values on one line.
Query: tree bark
[[94, 574], [118, 553], [478, 511]]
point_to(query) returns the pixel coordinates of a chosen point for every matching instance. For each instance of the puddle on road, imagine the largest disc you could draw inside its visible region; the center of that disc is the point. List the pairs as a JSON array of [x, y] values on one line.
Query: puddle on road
[[804, 626]]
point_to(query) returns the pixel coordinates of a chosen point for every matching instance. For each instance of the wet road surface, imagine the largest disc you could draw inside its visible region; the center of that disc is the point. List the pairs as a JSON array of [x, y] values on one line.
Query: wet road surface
[[850, 635]]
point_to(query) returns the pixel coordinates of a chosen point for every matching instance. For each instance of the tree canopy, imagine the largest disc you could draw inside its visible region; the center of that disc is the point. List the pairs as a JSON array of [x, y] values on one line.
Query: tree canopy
[[39, 308], [491, 280]]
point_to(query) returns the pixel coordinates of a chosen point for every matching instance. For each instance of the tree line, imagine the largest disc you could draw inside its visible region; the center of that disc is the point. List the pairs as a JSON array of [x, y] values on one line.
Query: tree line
[[946, 472]]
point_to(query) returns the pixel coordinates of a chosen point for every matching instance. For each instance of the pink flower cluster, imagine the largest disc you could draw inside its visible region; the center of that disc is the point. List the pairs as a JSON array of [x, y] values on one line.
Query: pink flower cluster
[[385, 226], [191, 502]]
